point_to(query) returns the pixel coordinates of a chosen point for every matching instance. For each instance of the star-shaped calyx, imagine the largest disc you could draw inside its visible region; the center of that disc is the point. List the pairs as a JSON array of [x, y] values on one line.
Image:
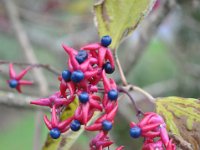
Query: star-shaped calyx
[[16, 81]]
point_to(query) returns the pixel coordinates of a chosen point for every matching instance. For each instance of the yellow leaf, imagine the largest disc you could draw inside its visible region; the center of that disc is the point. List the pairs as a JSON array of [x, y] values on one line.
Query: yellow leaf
[[118, 18], [66, 140], [182, 116]]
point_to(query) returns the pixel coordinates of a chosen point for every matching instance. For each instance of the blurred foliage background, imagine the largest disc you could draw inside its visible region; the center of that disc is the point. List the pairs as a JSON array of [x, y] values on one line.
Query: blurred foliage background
[[168, 66]]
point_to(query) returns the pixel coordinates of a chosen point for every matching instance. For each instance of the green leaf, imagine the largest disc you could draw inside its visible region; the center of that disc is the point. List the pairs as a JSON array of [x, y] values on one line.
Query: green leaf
[[182, 116], [118, 18]]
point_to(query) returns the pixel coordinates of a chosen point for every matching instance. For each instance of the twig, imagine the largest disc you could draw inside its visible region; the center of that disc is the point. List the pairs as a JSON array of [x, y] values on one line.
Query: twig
[[180, 142], [146, 32], [138, 110], [45, 66], [145, 93], [156, 89], [18, 100], [140, 90], [123, 78], [30, 56]]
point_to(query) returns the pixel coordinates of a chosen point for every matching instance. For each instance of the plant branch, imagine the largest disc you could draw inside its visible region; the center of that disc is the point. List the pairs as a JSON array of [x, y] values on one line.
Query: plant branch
[[138, 110], [18, 100], [123, 78], [28, 51], [180, 142], [145, 93], [156, 89], [45, 66]]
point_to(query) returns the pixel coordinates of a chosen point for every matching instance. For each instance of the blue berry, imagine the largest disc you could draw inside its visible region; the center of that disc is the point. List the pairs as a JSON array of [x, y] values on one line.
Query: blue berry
[[75, 125], [135, 132], [106, 40], [83, 97], [77, 76], [108, 68], [81, 56], [106, 125], [113, 94], [13, 83], [55, 133], [66, 75]]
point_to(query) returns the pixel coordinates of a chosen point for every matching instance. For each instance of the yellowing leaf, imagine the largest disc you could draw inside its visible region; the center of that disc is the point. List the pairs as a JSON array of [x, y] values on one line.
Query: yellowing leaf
[[67, 139], [182, 116], [118, 18]]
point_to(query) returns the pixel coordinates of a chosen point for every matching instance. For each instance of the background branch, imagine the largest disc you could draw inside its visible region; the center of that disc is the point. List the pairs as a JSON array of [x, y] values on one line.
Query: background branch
[[45, 66], [18, 100], [181, 144], [30, 56]]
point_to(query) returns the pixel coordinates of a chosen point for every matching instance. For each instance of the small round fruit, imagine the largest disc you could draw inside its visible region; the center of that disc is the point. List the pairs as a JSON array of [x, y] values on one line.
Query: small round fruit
[[108, 68], [81, 56], [66, 75], [55, 133], [106, 40], [83, 97], [13, 83], [75, 125], [106, 125], [135, 132], [77, 76], [113, 94]]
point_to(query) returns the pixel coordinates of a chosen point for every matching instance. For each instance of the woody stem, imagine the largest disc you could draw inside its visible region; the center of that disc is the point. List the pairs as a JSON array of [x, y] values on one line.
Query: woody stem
[[44, 66], [122, 75], [138, 110]]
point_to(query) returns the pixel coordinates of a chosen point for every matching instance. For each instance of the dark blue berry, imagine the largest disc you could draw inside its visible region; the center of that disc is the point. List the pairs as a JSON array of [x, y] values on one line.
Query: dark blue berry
[[55, 133], [81, 56], [77, 76], [13, 83], [108, 68], [75, 125], [113, 94], [66, 75], [135, 132], [83, 97], [106, 40], [106, 125]]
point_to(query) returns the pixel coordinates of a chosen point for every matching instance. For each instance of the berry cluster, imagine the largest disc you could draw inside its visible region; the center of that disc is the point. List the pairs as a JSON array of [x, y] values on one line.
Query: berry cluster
[[86, 72], [86, 79]]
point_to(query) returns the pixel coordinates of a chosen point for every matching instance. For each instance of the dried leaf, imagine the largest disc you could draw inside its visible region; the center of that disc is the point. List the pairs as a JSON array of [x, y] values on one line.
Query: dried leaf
[[118, 18], [182, 116]]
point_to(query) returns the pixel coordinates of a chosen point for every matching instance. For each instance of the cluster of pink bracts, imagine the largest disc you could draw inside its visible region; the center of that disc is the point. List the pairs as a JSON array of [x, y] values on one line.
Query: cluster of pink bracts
[[152, 127], [86, 72], [90, 72]]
